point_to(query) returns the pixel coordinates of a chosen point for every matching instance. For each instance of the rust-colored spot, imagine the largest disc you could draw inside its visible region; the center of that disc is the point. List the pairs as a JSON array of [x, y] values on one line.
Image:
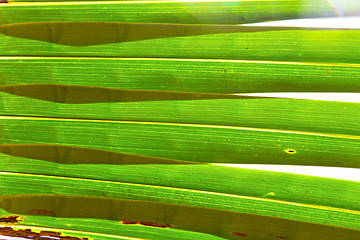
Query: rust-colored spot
[[145, 223], [10, 219], [41, 212], [50, 234], [239, 234], [277, 236], [29, 234]]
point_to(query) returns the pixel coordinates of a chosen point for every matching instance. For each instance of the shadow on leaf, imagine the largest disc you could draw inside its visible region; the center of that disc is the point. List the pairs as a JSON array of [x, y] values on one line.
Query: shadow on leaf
[[80, 155], [75, 94], [78, 33]]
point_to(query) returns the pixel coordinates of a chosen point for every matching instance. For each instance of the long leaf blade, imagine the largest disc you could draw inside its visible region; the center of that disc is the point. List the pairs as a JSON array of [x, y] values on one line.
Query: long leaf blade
[[227, 12]]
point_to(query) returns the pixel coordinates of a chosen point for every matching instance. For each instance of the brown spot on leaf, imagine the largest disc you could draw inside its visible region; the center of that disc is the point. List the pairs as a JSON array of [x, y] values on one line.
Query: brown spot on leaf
[[145, 223], [277, 236], [29, 234], [239, 234], [50, 234], [41, 212], [10, 219]]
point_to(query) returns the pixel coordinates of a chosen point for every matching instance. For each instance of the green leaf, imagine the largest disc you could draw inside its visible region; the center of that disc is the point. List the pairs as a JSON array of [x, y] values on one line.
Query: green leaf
[[182, 75], [255, 186], [306, 117], [111, 114], [226, 12], [187, 142], [336, 46], [176, 207], [81, 33], [98, 229]]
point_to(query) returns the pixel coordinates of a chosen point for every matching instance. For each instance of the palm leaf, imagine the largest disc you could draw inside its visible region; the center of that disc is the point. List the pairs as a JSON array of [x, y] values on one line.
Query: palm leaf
[[112, 113]]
